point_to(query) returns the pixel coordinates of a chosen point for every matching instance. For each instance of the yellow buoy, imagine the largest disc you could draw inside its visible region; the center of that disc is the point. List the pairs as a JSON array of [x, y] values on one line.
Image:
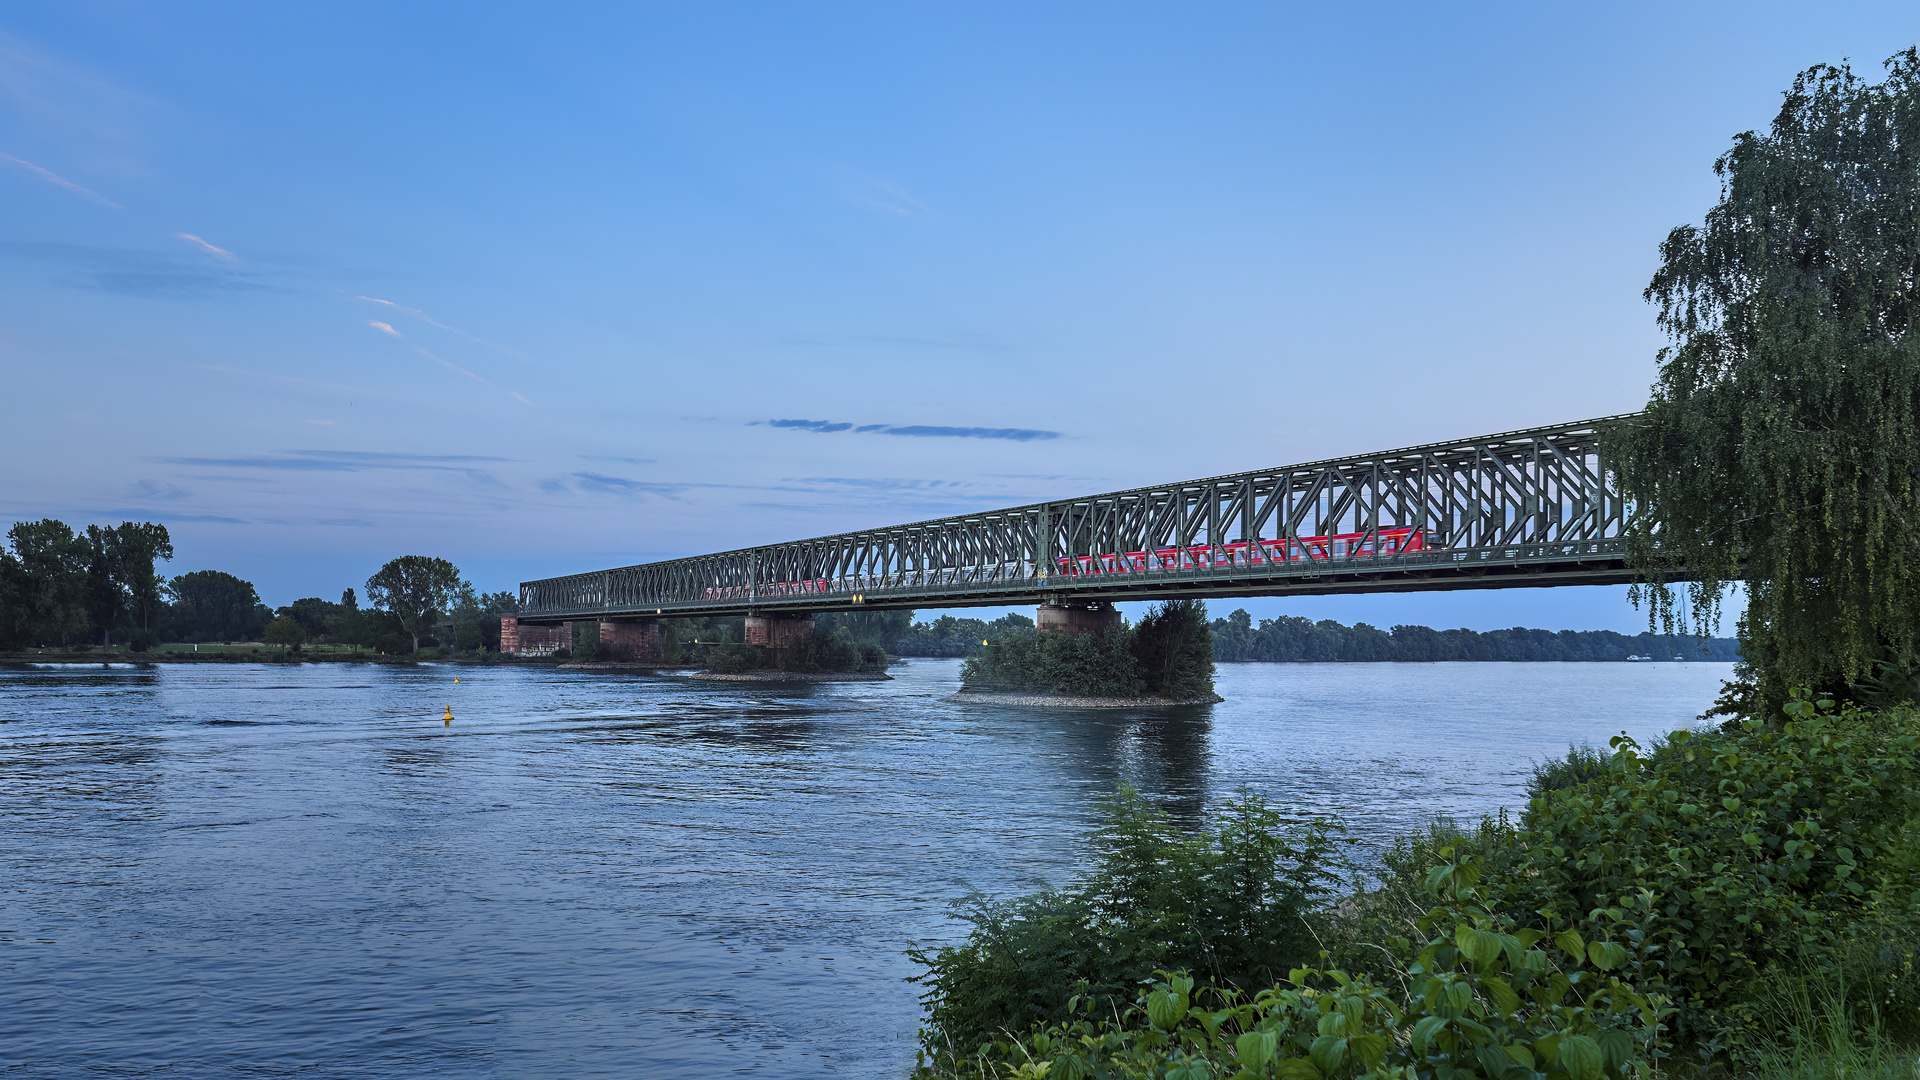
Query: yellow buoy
[[449, 717]]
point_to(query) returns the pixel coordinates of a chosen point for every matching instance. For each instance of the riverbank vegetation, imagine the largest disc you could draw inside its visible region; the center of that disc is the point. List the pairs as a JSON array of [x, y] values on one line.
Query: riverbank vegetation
[[1744, 900], [72, 591], [1291, 638], [1167, 654]]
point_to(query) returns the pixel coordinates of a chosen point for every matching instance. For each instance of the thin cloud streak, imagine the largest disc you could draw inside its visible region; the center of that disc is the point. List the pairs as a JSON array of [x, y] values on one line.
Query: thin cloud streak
[[217, 252], [921, 431], [430, 321], [57, 180], [451, 366]]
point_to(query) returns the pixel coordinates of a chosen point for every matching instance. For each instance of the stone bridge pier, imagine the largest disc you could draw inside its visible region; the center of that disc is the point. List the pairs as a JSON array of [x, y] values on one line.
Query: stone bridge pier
[[636, 640], [778, 633], [522, 639], [1076, 619]]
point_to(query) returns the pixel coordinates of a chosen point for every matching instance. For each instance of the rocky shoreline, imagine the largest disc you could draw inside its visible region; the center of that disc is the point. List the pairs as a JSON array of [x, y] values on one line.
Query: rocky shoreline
[[1069, 701]]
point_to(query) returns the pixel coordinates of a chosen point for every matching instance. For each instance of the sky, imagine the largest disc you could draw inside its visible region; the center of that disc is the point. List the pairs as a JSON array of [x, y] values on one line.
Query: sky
[[550, 288]]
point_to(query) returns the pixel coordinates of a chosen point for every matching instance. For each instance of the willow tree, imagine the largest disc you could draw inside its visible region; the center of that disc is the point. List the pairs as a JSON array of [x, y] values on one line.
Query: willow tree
[[1782, 443]]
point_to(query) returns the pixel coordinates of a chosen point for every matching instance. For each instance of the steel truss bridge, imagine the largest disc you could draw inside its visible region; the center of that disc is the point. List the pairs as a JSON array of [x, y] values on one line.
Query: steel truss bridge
[[1522, 508]]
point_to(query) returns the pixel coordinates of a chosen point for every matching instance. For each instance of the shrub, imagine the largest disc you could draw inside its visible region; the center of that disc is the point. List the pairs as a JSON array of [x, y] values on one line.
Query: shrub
[[1481, 997], [1229, 904], [1580, 764], [1755, 850], [734, 657]]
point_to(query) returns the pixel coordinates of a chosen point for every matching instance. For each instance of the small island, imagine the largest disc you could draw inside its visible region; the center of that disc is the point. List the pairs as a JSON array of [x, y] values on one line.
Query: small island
[[1088, 657]]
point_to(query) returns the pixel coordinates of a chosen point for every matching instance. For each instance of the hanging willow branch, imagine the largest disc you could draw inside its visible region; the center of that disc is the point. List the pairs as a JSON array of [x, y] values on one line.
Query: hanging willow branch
[[1781, 446]]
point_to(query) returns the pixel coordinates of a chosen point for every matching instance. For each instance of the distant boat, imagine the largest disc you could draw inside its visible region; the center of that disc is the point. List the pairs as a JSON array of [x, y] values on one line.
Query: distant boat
[[1639, 657]]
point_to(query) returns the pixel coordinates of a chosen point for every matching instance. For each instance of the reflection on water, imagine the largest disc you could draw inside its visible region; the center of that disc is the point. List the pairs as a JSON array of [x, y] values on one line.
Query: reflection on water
[[235, 870]]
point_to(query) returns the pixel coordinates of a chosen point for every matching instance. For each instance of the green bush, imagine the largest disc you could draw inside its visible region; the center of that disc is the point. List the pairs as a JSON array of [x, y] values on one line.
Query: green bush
[[1757, 850], [1229, 904], [1579, 765], [832, 650], [1479, 996], [734, 657]]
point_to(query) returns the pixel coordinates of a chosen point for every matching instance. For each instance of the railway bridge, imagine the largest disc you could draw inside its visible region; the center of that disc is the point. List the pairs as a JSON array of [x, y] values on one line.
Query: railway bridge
[[1525, 508]]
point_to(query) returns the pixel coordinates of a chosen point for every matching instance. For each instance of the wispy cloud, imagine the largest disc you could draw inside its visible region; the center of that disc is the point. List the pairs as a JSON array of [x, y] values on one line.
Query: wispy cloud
[[57, 180], [147, 489], [922, 431], [217, 252], [385, 328], [620, 485], [348, 461], [430, 321], [618, 458], [135, 273], [451, 366], [150, 514], [880, 483]]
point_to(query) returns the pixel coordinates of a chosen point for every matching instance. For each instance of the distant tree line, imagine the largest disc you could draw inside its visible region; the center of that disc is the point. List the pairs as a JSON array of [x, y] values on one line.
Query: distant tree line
[[61, 588], [1296, 639], [1291, 637]]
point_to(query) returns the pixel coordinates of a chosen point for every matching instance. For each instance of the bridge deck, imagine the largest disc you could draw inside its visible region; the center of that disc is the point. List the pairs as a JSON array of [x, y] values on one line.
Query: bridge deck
[[1523, 508]]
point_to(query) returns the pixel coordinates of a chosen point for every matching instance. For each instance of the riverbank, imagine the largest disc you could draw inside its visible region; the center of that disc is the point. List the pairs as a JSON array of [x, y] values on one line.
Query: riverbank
[[1074, 701]]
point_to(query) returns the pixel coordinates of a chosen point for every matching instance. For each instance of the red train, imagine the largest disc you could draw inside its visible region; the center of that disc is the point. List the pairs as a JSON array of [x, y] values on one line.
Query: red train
[[1357, 545]]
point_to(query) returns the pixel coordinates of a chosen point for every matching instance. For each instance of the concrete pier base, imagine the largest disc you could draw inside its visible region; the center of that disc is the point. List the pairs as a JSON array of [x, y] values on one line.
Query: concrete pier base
[[634, 640], [1076, 619], [519, 639]]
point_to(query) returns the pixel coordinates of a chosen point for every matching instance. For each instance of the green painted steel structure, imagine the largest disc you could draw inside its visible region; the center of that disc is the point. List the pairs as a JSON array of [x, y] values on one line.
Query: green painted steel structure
[[1521, 508]]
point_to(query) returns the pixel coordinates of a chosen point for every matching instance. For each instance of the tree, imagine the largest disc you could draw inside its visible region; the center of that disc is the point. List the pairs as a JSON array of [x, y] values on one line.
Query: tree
[[347, 625], [212, 605], [53, 571], [120, 578], [416, 589], [286, 632], [1173, 646], [1779, 445]]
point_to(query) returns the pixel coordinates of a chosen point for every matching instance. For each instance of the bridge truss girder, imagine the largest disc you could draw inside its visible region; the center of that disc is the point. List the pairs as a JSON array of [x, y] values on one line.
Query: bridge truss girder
[[1522, 508]]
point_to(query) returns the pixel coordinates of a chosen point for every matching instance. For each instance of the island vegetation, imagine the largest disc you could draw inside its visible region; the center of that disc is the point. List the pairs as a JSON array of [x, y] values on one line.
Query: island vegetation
[[1167, 655]]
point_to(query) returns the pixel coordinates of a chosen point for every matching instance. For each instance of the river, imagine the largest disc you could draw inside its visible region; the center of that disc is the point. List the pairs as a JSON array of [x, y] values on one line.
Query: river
[[263, 871]]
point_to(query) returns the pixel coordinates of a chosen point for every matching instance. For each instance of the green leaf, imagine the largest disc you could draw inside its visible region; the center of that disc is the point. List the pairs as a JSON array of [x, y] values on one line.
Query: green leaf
[[1606, 955], [1503, 996], [1617, 1048], [1582, 1057], [1572, 944], [1296, 1069], [1476, 945], [1425, 1030], [1369, 1048], [1166, 1009], [1328, 1052], [1256, 1048]]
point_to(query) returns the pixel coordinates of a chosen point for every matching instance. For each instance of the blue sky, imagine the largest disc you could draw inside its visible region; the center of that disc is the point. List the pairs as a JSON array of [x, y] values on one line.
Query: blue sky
[[529, 286]]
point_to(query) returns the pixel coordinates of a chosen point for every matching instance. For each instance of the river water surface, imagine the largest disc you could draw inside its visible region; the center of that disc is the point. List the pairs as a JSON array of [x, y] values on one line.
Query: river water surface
[[263, 871]]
